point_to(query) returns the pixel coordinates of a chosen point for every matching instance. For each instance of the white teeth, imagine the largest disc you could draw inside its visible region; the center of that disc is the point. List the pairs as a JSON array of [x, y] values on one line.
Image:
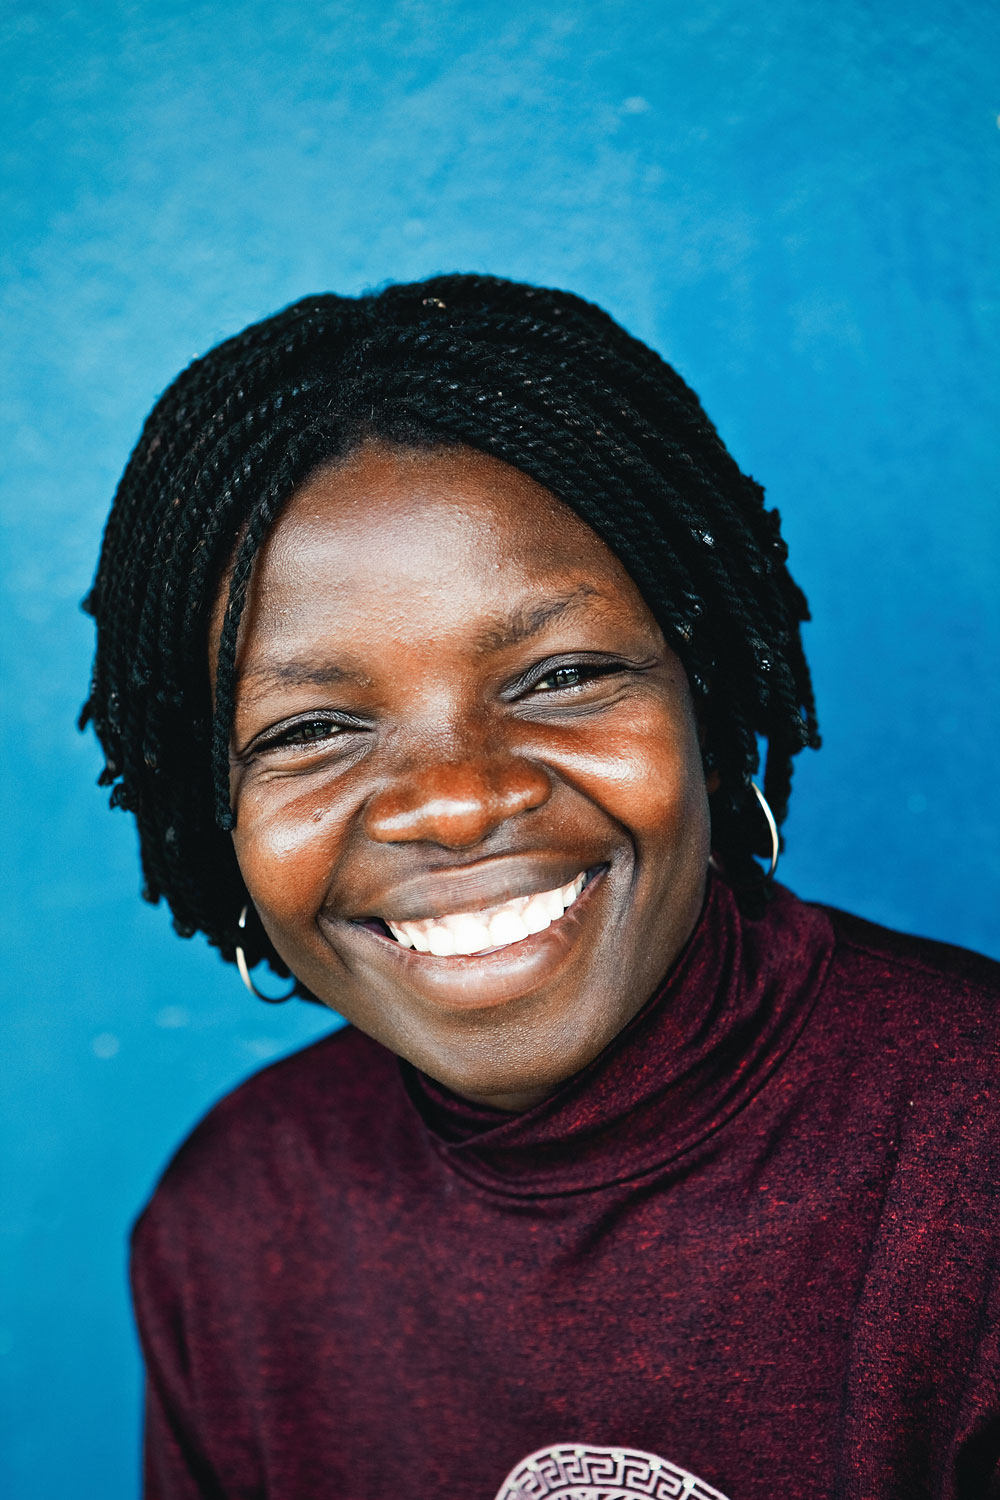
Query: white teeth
[[536, 913], [440, 941], [470, 933], [496, 927], [553, 903], [403, 933], [507, 927]]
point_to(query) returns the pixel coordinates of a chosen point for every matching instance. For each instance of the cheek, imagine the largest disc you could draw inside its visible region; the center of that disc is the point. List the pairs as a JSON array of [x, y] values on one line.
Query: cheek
[[647, 773], [286, 844]]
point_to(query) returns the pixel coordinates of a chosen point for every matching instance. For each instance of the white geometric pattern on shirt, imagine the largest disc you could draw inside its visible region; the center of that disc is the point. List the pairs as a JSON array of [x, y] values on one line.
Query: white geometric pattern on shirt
[[575, 1471]]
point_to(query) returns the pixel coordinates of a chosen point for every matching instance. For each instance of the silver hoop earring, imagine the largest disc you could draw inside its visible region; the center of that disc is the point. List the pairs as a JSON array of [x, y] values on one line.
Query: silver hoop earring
[[772, 826], [244, 968]]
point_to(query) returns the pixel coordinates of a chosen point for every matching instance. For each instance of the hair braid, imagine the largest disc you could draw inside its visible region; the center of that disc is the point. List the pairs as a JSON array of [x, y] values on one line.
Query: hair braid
[[541, 379]]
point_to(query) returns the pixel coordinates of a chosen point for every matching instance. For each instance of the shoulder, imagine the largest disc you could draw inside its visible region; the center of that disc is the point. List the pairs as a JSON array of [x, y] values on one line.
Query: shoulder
[[319, 1088], [911, 962], [912, 971], [914, 1007], [322, 1112]]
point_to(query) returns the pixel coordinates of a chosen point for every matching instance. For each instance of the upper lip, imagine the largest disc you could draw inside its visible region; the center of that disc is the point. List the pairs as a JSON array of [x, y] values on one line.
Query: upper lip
[[468, 888]]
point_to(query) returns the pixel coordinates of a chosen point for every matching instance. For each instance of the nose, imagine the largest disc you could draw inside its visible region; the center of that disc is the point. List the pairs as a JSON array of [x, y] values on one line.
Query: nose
[[455, 803]]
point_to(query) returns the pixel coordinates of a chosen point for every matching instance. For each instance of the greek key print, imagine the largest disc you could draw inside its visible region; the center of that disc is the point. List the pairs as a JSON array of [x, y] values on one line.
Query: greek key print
[[573, 1471]]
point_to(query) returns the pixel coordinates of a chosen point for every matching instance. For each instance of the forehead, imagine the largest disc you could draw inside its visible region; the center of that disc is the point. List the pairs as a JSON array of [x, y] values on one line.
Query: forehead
[[443, 530]]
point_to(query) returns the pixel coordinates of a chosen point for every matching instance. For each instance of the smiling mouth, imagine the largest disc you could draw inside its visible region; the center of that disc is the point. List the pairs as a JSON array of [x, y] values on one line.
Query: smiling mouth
[[485, 930]]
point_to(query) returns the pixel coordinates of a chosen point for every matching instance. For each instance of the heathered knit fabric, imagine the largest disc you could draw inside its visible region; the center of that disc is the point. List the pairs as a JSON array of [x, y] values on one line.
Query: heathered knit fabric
[[756, 1241]]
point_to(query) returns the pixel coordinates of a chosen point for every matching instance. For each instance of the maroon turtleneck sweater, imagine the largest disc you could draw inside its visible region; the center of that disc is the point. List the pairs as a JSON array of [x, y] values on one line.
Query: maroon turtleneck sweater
[[751, 1250]]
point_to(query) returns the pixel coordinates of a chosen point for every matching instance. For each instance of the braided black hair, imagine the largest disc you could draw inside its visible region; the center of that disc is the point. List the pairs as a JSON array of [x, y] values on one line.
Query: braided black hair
[[538, 378]]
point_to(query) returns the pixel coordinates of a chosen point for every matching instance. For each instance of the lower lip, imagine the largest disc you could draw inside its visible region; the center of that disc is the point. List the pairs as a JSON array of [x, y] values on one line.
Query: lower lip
[[497, 975]]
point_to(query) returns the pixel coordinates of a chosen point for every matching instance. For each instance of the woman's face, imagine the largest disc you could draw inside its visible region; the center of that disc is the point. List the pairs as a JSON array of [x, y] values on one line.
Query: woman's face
[[458, 722]]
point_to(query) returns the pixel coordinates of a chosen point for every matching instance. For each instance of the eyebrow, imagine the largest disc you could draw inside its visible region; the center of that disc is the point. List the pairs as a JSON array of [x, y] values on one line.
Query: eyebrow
[[298, 673], [518, 626], [521, 624]]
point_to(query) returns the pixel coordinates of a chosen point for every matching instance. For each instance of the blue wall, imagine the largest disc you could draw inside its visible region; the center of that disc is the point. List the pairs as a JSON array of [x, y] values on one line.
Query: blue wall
[[793, 200]]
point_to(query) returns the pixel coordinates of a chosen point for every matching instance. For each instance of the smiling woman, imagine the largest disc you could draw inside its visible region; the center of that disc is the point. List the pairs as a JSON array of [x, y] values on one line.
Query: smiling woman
[[437, 631], [454, 713]]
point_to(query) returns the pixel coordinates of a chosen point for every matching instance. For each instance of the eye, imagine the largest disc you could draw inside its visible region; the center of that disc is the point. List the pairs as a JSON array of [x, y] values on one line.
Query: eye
[[312, 729], [302, 733], [571, 675]]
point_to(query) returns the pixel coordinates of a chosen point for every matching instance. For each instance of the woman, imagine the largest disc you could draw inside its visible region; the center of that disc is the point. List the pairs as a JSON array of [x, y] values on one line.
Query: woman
[[437, 632]]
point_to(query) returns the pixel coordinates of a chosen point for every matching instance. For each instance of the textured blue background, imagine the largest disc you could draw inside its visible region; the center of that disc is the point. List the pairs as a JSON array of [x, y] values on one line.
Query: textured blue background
[[794, 201]]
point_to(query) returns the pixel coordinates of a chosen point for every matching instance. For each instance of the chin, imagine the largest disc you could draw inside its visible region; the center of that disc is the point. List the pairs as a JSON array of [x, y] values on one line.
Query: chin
[[516, 1070]]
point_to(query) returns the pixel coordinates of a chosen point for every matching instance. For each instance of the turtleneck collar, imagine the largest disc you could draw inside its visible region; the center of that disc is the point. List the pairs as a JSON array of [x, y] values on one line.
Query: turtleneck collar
[[698, 1050]]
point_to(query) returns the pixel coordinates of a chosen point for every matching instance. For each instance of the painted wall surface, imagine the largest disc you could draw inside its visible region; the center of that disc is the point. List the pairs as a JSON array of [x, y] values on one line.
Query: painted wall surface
[[794, 201]]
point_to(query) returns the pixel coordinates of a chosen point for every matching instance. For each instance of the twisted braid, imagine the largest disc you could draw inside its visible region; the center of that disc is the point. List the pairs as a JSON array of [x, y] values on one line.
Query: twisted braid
[[541, 379]]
